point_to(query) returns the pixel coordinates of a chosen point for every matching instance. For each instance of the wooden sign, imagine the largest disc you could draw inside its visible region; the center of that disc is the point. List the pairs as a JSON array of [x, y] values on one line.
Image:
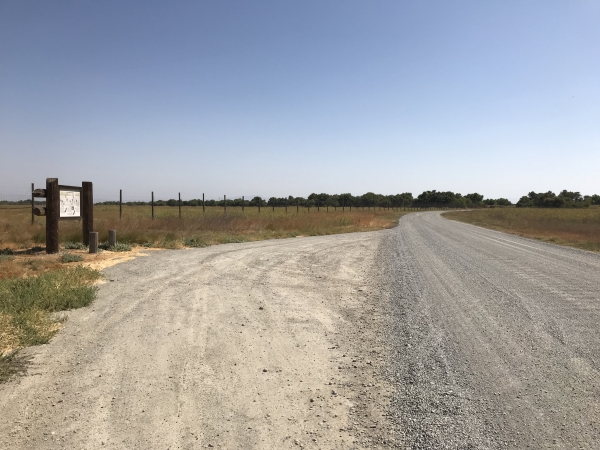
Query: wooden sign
[[64, 203]]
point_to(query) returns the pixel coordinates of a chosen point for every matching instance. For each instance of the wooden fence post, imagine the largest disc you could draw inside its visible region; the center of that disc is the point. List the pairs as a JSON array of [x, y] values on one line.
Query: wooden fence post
[[52, 214], [112, 238], [153, 204], [242, 203], [180, 205], [203, 202], [224, 203], [32, 204], [259, 202], [297, 206], [87, 213], [286, 203], [93, 240], [120, 204]]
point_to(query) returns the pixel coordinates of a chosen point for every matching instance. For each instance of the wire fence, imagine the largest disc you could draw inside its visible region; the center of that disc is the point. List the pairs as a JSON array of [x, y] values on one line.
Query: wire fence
[[343, 202]]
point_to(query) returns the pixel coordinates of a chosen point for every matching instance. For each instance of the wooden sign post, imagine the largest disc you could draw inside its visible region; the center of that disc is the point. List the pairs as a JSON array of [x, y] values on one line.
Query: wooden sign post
[[65, 203]]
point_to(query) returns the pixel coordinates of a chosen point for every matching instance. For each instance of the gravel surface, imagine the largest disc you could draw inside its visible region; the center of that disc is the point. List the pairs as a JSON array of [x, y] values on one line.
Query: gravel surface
[[496, 338], [435, 334], [266, 345]]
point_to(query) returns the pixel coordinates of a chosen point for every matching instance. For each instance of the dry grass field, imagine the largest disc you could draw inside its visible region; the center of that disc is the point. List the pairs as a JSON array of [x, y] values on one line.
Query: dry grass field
[[195, 228], [578, 228]]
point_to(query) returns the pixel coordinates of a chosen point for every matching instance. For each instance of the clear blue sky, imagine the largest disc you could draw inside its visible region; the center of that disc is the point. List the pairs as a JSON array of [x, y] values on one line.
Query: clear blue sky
[[293, 97]]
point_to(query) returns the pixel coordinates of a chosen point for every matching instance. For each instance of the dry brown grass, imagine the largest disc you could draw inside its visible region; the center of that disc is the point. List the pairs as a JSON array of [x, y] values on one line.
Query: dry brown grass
[[203, 228], [578, 228]]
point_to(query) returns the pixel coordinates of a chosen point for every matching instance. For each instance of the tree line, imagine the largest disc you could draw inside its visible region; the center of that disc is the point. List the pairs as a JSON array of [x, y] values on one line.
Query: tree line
[[566, 199], [445, 199], [368, 200]]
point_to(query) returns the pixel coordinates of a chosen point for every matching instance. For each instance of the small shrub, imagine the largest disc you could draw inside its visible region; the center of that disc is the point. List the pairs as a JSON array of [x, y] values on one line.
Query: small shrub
[[148, 244], [70, 245], [7, 251], [194, 242], [69, 257], [118, 247]]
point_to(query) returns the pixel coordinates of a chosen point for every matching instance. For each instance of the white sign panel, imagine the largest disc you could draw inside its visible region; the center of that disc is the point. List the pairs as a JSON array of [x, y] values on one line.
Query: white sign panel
[[70, 202]]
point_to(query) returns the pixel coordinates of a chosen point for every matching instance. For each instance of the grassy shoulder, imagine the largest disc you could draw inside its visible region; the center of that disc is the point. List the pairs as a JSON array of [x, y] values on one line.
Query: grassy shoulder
[[579, 228], [28, 308]]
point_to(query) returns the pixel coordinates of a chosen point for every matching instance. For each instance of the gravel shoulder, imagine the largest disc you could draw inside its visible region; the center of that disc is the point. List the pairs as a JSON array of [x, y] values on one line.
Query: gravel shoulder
[[267, 345]]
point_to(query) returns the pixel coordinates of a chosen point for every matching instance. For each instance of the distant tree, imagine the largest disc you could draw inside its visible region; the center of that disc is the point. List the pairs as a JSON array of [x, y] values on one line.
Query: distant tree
[[475, 198]]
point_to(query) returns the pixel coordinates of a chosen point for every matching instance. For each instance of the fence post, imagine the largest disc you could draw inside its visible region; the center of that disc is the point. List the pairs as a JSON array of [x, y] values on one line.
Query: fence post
[[225, 203], [32, 204], [203, 202], [286, 202], [297, 206], [87, 204], [242, 203], [120, 204], [112, 238], [153, 204], [180, 205], [259, 201], [52, 214], [93, 240]]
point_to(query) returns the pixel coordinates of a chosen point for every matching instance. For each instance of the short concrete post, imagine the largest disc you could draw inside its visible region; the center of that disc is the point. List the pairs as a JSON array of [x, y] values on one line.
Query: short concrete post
[[94, 242], [112, 238]]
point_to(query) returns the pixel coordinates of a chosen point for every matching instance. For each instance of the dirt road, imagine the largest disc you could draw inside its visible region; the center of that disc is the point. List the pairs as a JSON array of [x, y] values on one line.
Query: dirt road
[[267, 345], [435, 334]]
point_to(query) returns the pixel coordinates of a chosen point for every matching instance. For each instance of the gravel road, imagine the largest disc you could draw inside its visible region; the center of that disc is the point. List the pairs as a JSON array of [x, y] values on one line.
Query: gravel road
[[435, 334], [496, 338]]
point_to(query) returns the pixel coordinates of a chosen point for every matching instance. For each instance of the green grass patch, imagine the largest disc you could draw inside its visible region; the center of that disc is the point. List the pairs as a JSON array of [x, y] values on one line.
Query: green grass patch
[[70, 245], [194, 241], [118, 247], [6, 258], [27, 304], [69, 257]]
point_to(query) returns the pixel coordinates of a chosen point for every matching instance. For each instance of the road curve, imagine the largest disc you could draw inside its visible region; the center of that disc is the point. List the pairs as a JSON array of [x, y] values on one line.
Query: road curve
[[496, 338]]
